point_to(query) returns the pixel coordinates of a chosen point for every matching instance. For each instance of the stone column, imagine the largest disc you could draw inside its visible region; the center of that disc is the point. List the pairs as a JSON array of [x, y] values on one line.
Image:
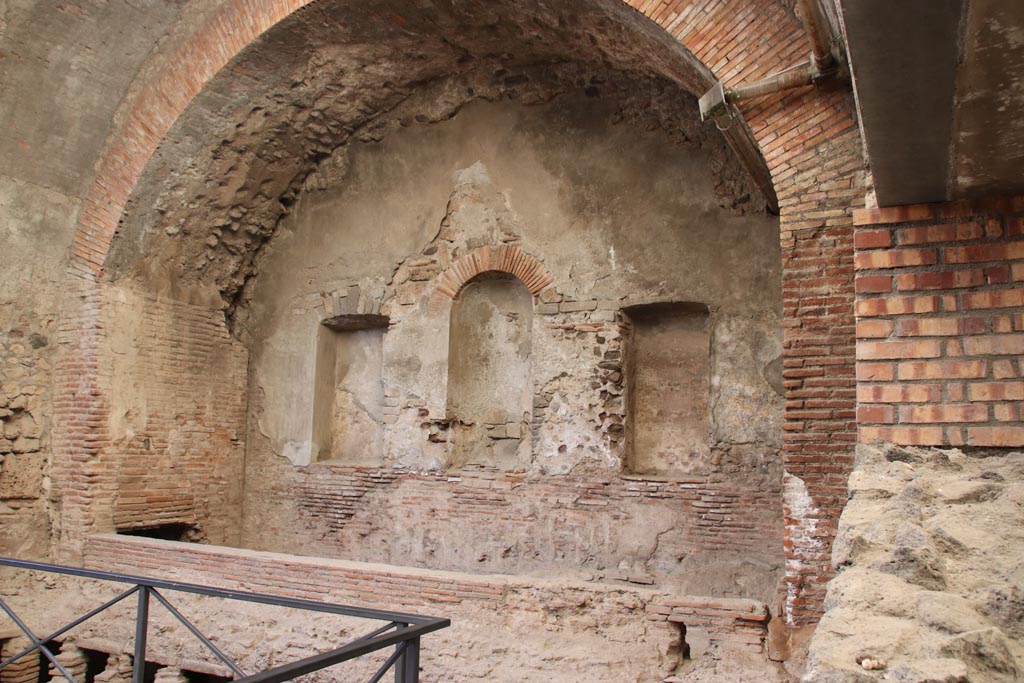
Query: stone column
[[74, 660]]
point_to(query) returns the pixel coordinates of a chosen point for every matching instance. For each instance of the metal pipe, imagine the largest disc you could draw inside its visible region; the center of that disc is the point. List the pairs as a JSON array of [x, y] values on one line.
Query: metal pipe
[[408, 668], [772, 84], [819, 32], [388, 664]]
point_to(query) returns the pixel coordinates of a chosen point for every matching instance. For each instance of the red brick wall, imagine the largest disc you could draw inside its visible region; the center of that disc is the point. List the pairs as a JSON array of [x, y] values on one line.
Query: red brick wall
[[180, 453], [152, 395], [80, 411], [940, 324], [568, 522], [818, 365]]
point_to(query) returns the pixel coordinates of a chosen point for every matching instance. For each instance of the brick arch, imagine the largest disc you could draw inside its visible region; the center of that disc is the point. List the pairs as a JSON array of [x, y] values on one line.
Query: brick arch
[[711, 30], [504, 259], [808, 139], [155, 109]]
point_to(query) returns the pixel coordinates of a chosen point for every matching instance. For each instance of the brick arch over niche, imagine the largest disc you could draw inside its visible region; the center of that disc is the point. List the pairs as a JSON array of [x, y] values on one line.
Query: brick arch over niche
[[808, 139], [505, 259]]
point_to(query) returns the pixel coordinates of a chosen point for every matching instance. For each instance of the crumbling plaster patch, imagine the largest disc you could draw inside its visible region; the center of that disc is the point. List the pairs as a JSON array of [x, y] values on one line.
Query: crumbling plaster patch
[[799, 507]]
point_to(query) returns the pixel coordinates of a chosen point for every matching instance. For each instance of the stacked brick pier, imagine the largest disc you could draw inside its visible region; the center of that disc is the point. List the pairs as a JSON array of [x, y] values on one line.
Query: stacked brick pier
[[940, 324]]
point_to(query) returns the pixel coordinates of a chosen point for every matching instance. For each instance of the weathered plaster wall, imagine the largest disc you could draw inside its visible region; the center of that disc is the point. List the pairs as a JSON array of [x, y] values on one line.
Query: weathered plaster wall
[[64, 69], [548, 180], [348, 394], [490, 386], [668, 390]]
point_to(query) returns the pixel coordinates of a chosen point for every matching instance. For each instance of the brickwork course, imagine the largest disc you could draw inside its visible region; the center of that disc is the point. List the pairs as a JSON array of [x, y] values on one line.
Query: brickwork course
[[939, 306]]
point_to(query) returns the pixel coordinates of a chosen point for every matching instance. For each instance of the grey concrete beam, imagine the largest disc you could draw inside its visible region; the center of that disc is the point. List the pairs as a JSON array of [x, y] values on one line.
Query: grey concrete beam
[[904, 59]]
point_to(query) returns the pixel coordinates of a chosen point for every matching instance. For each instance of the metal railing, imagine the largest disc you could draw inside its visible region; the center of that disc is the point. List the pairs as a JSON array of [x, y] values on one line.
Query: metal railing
[[402, 631]]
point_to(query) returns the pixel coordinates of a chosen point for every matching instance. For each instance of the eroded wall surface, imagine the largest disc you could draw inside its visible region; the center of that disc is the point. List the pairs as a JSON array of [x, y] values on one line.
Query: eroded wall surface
[[510, 184], [929, 583], [65, 68], [165, 415], [174, 442]]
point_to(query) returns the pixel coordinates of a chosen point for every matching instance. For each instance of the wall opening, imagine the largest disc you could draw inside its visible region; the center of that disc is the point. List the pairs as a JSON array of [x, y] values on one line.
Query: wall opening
[[95, 664], [667, 368], [172, 531], [348, 389], [490, 393], [43, 667]]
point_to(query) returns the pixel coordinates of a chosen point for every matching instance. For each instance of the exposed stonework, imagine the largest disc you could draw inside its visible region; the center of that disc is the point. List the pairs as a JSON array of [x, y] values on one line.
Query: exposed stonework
[[24, 670], [929, 584], [27, 341], [485, 194]]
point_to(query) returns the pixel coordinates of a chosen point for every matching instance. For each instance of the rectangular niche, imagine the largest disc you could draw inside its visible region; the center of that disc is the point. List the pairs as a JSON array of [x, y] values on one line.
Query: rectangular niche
[[668, 359], [348, 390]]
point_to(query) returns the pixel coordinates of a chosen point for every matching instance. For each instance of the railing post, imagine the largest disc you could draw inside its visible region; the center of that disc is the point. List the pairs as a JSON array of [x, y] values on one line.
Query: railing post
[[400, 663], [141, 630], [407, 668]]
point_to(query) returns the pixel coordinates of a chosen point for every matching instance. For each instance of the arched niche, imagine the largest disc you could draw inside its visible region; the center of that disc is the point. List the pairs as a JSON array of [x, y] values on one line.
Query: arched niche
[[489, 381]]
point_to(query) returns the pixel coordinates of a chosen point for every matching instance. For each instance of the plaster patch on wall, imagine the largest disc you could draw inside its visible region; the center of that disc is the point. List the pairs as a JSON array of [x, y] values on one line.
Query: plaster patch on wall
[[298, 452], [800, 509]]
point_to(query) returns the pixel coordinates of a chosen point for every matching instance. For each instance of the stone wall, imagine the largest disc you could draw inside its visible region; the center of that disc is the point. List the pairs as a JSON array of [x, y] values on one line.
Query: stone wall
[[25, 364], [929, 583], [398, 232]]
